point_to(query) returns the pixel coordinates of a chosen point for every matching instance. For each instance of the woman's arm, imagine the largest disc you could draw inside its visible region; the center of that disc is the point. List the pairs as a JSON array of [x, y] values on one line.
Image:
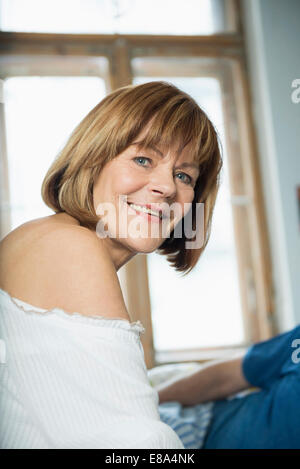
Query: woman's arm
[[214, 381]]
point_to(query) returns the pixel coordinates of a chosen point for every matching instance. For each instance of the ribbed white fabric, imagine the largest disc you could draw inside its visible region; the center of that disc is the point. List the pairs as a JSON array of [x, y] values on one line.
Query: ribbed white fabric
[[71, 381]]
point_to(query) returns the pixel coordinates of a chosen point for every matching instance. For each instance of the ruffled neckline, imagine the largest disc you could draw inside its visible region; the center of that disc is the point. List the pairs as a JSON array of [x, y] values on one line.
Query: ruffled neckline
[[122, 323]]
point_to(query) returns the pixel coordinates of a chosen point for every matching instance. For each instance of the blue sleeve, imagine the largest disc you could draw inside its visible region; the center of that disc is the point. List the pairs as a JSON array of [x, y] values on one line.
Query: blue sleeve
[[267, 361]]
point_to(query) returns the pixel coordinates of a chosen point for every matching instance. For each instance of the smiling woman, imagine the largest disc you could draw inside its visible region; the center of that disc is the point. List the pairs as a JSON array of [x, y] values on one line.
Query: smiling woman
[[80, 356], [98, 163], [149, 189]]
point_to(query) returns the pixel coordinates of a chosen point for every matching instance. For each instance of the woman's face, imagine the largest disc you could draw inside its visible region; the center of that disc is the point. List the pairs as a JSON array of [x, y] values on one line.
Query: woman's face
[[154, 176]]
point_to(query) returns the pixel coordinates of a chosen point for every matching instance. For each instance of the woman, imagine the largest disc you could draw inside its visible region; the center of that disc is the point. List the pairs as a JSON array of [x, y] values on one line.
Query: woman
[[75, 374]]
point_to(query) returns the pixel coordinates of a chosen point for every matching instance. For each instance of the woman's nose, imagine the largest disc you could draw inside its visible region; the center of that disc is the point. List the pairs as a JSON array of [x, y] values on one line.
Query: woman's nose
[[162, 181]]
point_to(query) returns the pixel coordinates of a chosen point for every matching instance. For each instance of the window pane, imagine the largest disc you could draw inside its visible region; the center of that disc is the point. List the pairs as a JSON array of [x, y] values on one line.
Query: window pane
[[206, 309], [115, 16], [40, 114]]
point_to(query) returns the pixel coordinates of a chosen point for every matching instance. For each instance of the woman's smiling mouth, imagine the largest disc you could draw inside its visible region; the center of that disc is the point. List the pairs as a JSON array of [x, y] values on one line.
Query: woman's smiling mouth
[[145, 212]]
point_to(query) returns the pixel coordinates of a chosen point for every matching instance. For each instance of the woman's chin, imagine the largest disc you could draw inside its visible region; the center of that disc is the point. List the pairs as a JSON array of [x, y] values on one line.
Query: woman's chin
[[144, 246]]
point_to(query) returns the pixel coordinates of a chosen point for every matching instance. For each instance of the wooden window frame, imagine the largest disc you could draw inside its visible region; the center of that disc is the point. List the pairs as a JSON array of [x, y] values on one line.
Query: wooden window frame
[[30, 49]]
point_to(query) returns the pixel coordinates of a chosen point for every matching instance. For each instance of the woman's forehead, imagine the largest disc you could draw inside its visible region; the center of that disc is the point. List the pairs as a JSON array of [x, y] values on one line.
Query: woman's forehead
[[162, 148], [167, 140]]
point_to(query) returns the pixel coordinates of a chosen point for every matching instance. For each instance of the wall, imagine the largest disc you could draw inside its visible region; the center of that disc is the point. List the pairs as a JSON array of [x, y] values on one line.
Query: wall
[[272, 29]]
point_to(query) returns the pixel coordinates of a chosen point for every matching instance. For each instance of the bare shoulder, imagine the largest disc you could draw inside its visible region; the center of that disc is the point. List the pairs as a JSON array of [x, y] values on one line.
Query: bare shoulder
[[79, 275], [50, 264]]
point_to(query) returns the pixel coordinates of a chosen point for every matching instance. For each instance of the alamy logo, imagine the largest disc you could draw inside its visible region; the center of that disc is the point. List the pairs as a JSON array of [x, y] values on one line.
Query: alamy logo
[[2, 352], [296, 353], [295, 96], [174, 217]]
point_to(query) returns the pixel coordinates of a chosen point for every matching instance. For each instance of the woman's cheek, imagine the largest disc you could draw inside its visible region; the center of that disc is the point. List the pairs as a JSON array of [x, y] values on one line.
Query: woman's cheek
[[134, 178], [123, 179]]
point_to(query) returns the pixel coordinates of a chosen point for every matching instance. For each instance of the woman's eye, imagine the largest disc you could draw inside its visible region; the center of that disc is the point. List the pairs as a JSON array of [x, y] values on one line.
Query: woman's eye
[[138, 158], [187, 180]]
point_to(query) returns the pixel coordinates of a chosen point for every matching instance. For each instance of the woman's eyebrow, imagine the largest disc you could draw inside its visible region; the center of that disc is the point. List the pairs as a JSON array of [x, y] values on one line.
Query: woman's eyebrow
[[182, 165], [149, 147], [188, 165]]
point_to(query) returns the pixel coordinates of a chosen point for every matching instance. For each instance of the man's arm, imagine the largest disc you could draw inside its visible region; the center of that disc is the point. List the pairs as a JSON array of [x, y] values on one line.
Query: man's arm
[[214, 381]]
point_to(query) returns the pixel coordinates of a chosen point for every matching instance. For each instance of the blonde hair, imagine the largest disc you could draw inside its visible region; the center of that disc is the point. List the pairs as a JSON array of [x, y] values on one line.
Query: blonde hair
[[109, 128]]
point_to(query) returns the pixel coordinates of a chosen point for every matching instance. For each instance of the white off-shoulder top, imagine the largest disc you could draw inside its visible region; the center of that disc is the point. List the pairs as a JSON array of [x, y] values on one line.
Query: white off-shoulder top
[[75, 381]]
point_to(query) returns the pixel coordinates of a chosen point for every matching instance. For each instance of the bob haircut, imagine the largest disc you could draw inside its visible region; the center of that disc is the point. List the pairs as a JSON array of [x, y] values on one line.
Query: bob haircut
[[110, 128]]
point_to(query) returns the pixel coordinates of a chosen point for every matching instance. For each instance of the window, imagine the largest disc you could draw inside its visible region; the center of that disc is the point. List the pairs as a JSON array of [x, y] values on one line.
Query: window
[[116, 16], [218, 317], [41, 133]]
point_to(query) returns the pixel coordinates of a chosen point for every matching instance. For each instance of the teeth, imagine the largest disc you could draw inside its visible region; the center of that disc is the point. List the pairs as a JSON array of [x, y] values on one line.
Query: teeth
[[145, 210]]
